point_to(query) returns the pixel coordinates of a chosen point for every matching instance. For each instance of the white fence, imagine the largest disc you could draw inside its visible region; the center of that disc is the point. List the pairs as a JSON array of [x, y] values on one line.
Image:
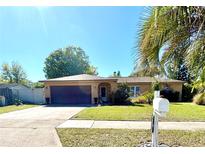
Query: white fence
[[30, 95]]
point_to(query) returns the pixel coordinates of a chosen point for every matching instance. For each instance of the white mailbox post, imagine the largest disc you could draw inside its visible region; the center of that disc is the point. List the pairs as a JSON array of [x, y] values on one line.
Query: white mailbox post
[[160, 108]]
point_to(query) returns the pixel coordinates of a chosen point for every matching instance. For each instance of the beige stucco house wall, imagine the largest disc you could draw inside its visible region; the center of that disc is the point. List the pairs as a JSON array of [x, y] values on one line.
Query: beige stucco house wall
[[144, 87], [94, 86], [95, 82]]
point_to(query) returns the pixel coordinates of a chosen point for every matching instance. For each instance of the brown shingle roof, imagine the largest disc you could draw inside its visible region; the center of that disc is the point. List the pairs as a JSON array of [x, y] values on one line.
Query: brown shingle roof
[[80, 77], [87, 77], [143, 80]]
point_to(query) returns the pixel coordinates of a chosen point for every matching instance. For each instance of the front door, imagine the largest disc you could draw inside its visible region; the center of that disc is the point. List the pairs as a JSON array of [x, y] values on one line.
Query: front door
[[103, 93]]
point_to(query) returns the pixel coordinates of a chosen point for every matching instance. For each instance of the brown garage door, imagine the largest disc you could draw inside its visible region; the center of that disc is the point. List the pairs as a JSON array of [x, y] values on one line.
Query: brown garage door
[[74, 95]]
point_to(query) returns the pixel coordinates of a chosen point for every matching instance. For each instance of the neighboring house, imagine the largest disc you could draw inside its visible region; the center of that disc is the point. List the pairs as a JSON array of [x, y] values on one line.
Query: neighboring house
[[84, 88], [17, 91]]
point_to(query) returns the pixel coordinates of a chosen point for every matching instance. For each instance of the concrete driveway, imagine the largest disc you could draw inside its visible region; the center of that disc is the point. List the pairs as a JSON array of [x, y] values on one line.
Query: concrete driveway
[[34, 127]]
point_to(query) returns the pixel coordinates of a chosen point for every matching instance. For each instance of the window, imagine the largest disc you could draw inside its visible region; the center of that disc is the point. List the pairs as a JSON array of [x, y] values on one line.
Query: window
[[134, 91]]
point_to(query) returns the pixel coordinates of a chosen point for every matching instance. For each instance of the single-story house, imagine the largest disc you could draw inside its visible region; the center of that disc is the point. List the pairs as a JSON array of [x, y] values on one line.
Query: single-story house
[[84, 88]]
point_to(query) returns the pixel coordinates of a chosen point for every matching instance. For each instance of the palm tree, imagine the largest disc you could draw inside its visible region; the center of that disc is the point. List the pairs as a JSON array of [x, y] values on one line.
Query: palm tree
[[172, 35], [147, 71], [199, 84]]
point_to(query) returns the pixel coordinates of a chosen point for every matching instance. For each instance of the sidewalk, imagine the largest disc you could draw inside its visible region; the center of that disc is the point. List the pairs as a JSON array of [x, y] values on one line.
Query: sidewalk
[[132, 125]]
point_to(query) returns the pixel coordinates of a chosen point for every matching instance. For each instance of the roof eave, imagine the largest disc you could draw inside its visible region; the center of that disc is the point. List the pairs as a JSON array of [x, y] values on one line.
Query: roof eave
[[77, 80], [152, 82]]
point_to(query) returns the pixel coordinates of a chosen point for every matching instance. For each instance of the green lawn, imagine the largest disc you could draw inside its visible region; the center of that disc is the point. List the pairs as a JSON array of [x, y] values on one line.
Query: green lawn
[[73, 137], [10, 108], [143, 112]]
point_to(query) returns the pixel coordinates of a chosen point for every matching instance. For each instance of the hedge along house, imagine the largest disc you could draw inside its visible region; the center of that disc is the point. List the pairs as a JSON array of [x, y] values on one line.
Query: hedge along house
[[85, 89]]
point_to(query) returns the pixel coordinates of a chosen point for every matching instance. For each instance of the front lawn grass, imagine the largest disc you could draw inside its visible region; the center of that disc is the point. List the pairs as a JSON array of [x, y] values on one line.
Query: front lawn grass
[[11, 108], [143, 112], [74, 137]]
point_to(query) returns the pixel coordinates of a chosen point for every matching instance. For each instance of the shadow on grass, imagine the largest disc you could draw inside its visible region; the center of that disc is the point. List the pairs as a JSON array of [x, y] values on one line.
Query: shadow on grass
[[175, 104], [68, 105], [137, 105]]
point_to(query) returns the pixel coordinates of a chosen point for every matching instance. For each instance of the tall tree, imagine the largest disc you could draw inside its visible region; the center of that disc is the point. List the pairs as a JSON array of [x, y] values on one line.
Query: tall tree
[[147, 71], [91, 70], [13, 73], [17, 72], [183, 74], [173, 35], [116, 74], [1, 80], [67, 61], [199, 84], [6, 73]]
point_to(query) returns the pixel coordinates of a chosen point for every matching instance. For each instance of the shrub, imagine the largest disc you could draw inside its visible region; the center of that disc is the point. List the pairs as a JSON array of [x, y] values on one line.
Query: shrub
[[38, 85], [156, 86], [172, 96], [199, 99], [145, 98], [18, 102], [121, 95], [188, 93]]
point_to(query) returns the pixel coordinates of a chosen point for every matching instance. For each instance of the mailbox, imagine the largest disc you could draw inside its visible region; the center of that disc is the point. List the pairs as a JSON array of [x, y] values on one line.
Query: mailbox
[[161, 105]]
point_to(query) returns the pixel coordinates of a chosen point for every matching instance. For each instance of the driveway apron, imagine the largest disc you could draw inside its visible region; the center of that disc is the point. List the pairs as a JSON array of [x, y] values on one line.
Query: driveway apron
[[34, 127]]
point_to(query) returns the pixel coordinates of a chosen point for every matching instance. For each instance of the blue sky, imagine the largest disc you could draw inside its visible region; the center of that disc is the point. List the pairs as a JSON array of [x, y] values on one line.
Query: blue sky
[[107, 34]]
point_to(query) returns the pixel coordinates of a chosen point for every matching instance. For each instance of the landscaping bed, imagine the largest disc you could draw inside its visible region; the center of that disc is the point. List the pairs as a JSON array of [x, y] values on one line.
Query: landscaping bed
[[74, 137], [11, 108], [143, 112]]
